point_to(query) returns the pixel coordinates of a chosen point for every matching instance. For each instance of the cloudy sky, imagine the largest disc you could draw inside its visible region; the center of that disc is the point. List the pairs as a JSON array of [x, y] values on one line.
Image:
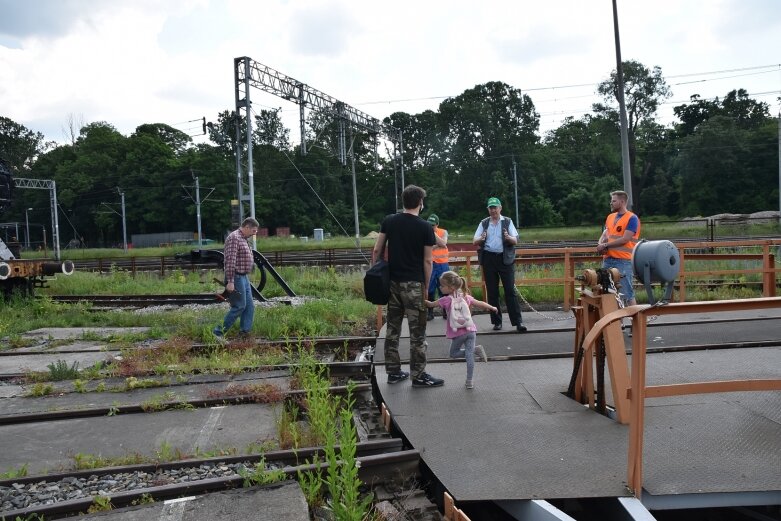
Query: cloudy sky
[[130, 62]]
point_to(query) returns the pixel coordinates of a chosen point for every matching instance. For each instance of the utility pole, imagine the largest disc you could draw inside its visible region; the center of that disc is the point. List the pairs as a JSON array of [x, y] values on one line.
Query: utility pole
[[779, 165], [622, 112], [198, 208], [27, 223], [124, 225], [401, 158], [355, 190], [515, 182]]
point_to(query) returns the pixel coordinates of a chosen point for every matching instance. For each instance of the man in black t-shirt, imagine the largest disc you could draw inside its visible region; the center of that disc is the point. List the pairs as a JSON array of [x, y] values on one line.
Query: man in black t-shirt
[[409, 241]]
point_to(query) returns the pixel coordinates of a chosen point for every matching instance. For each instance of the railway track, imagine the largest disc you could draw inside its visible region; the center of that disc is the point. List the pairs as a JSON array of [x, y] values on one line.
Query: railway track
[[140, 301], [381, 462]]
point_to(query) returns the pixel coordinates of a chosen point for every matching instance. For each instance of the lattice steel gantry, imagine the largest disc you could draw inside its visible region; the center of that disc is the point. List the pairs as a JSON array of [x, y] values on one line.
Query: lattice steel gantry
[[248, 73]]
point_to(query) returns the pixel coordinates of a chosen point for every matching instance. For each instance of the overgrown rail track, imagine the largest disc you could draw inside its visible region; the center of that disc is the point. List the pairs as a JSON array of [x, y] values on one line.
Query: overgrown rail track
[[140, 301]]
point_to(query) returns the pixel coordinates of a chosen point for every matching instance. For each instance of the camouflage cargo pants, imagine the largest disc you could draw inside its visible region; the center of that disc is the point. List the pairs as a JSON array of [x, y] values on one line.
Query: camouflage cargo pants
[[406, 299]]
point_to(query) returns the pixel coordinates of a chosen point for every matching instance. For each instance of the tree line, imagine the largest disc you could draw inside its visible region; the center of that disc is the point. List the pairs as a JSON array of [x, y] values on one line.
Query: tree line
[[721, 155]]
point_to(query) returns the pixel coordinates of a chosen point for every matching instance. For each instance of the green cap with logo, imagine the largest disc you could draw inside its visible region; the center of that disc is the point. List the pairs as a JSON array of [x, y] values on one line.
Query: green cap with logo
[[494, 201], [433, 219]]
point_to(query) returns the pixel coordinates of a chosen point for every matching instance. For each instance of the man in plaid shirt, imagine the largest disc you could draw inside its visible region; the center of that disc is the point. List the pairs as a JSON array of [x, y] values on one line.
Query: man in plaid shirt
[[238, 264]]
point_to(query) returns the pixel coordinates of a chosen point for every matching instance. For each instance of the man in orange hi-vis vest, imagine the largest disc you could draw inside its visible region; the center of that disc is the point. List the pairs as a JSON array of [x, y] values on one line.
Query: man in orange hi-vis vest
[[622, 231], [440, 266]]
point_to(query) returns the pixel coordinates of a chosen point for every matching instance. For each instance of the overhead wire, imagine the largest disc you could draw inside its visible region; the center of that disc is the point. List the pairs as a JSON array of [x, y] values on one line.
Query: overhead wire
[[315, 192]]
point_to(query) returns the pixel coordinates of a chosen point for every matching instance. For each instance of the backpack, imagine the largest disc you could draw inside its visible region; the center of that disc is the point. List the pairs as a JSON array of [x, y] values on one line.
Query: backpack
[[459, 315]]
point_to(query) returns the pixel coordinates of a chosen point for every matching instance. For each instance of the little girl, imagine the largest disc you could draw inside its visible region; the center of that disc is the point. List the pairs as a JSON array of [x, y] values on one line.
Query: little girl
[[462, 335]]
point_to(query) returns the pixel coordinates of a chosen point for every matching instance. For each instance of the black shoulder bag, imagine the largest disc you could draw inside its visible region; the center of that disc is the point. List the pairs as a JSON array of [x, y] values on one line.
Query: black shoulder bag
[[376, 281]]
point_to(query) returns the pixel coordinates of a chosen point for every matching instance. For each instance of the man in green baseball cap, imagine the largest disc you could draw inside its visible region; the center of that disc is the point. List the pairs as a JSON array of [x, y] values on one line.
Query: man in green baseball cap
[[439, 256], [495, 239]]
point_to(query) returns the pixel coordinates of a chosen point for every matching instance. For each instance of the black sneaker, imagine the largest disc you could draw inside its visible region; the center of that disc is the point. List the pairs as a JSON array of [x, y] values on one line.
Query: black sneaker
[[430, 314], [426, 380], [394, 378], [497, 327], [521, 328]]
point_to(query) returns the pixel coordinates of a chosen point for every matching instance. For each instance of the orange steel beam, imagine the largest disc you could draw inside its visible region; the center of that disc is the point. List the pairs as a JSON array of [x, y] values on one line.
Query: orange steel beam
[[615, 351], [720, 386], [569, 256], [638, 391], [637, 406]]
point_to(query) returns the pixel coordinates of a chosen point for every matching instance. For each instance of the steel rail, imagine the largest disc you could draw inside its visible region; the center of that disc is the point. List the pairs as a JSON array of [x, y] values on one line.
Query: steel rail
[[286, 457], [375, 469]]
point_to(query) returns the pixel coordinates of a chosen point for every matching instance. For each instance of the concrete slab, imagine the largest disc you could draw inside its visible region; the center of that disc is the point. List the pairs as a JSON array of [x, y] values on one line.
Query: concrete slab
[[48, 446], [64, 333], [114, 396], [19, 364], [282, 502]]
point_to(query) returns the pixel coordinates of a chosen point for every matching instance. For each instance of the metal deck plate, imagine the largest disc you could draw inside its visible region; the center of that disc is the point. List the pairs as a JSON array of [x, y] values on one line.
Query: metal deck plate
[[515, 436]]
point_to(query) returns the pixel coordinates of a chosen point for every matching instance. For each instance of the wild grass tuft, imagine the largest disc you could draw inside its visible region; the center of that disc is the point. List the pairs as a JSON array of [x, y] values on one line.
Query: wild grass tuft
[[59, 370], [19, 472]]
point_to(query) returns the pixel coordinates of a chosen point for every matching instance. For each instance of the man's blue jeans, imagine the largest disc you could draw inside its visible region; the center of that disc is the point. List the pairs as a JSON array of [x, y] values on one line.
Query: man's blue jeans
[[242, 308], [624, 266]]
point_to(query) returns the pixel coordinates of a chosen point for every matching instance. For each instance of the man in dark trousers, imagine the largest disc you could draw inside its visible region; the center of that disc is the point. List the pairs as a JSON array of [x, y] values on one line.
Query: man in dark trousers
[[495, 239], [238, 264], [409, 241]]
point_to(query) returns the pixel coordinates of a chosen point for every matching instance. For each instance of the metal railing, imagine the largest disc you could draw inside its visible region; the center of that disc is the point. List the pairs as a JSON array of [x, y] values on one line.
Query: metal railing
[[567, 260], [637, 391]]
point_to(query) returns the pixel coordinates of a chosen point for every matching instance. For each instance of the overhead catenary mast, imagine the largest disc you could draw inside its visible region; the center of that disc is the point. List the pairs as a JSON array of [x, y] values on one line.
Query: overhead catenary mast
[[248, 73]]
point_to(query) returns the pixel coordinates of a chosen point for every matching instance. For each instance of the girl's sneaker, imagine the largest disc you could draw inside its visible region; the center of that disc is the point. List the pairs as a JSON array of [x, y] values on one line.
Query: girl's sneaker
[[480, 353], [470, 384]]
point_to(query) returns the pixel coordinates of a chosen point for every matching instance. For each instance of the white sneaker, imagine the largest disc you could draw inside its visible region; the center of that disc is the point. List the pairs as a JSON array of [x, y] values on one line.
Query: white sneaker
[[480, 353], [469, 384]]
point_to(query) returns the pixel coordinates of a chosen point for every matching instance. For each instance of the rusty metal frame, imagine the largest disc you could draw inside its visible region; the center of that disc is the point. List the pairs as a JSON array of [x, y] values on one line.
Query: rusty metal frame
[[568, 257], [637, 391]]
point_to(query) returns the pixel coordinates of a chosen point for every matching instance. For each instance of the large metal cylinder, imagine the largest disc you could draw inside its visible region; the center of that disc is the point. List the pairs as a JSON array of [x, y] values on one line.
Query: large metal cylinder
[[657, 260], [5, 270], [55, 268]]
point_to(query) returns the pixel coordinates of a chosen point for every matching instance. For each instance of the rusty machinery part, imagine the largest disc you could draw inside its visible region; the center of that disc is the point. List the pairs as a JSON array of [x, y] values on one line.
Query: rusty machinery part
[[261, 262], [34, 268], [599, 279]]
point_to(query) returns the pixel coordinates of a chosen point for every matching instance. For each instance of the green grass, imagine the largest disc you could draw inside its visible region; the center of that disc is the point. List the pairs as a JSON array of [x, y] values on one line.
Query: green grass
[[333, 303]]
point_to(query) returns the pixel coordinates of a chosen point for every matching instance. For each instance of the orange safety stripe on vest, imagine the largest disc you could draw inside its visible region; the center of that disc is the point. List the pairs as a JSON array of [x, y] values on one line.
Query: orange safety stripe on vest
[[439, 255], [615, 231]]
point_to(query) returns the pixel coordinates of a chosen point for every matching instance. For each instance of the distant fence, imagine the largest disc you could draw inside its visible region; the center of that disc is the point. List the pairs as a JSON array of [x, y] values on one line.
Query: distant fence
[[558, 266]]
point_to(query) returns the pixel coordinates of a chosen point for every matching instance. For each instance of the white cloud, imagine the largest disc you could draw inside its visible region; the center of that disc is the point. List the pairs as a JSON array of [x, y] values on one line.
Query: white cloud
[[131, 62]]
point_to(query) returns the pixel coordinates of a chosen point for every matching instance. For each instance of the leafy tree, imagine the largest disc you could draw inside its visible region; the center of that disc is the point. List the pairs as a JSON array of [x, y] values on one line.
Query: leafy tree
[[484, 128], [175, 139], [726, 158], [269, 130], [20, 146], [694, 113], [748, 113]]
